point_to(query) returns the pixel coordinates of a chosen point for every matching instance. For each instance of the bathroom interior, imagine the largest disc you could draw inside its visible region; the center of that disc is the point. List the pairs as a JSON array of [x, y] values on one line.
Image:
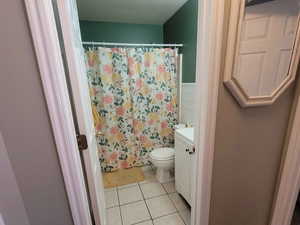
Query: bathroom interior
[[141, 61]]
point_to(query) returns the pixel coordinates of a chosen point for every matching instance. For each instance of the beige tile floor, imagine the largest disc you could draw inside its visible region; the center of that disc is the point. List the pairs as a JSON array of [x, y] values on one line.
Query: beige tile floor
[[146, 203]]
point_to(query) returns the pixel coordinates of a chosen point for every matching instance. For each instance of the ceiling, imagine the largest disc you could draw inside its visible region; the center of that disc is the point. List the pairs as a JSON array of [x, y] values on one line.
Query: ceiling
[[128, 11]]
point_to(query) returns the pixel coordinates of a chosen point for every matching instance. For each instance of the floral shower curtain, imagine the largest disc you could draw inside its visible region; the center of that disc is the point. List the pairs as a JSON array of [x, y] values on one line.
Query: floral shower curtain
[[134, 99]]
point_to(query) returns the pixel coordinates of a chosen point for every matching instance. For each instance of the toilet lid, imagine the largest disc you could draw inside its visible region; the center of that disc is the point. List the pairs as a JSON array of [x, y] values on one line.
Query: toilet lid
[[163, 153]]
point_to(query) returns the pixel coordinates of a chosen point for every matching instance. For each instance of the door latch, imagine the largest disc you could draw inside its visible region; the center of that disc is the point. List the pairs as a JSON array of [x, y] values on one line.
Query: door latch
[[82, 142]]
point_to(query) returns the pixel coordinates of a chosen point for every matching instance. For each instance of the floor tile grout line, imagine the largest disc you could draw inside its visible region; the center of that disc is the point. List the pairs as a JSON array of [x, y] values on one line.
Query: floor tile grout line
[[181, 218], [145, 203], [173, 213], [159, 217], [144, 200], [156, 196], [118, 203], [152, 220], [169, 214], [181, 210], [168, 194], [129, 203], [119, 206], [122, 188], [177, 210], [143, 221]]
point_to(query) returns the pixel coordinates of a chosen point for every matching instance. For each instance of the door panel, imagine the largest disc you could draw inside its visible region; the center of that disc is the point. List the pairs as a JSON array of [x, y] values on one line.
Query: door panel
[[183, 168], [80, 91], [267, 39]]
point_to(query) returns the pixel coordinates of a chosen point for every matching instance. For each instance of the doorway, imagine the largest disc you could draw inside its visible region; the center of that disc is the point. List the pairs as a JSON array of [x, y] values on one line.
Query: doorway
[[54, 82], [134, 72], [208, 57]]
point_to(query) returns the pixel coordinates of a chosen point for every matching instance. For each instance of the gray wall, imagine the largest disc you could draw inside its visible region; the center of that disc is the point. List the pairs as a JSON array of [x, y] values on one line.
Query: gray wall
[[248, 149], [25, 125], [12, 210]]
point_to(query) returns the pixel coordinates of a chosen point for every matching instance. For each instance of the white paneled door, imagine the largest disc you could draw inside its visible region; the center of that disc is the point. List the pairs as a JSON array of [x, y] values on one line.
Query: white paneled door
[[80, 91], [266, 46]]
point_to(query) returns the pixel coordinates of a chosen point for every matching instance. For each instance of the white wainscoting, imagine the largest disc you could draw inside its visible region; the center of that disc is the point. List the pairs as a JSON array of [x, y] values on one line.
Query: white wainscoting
[[187, 103]]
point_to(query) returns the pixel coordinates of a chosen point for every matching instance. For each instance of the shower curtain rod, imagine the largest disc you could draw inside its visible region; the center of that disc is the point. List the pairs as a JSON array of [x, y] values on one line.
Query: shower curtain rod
[[130, 44]]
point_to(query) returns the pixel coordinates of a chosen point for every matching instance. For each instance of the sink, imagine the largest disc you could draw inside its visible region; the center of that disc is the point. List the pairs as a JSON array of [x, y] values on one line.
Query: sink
[[186, 133]]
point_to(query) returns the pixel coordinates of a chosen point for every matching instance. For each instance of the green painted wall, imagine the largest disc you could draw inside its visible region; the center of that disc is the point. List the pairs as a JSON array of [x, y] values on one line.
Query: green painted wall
[[121, 32], [182, 28]]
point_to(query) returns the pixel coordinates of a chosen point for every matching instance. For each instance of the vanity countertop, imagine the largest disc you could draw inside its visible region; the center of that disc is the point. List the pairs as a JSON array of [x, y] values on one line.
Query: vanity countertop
[[187, 133]]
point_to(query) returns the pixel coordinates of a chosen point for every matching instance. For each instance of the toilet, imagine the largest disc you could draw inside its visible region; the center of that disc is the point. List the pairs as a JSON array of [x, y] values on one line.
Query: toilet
[[163, 160]]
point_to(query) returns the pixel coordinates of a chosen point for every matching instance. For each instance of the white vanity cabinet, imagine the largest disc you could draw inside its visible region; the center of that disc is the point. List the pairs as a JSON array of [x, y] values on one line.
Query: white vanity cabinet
[[184, 160]]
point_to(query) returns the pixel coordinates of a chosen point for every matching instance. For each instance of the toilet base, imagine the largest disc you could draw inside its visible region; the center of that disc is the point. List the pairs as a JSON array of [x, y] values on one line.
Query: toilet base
[[163, 175]]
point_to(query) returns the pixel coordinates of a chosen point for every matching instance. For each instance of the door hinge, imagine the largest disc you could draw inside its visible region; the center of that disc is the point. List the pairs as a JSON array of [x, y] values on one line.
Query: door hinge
[[82, 142]]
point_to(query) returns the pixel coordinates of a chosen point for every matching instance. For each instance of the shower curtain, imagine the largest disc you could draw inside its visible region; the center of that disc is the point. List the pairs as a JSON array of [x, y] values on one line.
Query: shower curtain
[[134, 94]]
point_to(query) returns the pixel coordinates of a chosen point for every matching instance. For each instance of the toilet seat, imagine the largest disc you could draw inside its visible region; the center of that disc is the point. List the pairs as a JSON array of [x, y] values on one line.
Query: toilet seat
[[163, 154]]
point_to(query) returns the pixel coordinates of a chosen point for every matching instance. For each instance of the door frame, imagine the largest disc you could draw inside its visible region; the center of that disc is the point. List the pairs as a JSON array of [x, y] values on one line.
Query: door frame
[[46, 42], [288, 181], [208, 70], [209, 48]]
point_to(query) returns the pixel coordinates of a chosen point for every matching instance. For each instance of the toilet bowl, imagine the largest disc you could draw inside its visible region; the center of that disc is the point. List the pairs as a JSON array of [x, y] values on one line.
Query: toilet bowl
[[163, 160]]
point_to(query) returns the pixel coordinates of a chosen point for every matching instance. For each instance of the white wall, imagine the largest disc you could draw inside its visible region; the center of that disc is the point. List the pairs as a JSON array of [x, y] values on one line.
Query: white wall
[[187, 103]]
